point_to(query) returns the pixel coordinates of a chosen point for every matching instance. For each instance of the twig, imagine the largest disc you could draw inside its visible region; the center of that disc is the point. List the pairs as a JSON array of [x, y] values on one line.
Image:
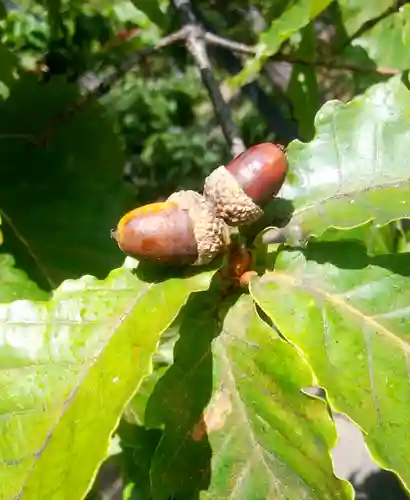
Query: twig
[[229, 44], [196, 45], [42, 269], [372, 22], [284, 128], [104, 86], [252, 50], [336, 65]]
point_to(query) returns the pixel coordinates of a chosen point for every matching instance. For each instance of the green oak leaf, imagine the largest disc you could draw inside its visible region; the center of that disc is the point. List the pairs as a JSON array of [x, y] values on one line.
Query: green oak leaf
[[303, 89], [348, 313], [15, 284], [355, 13], [257, 436], [355, 170], [138, 446], [152, 9], [295, 17], [68, 368], [387, 43], [376, 241]]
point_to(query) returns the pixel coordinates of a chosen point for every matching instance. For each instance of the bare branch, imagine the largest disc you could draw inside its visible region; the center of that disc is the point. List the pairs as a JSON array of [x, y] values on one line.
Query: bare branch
[[250, 50], [368, 25], [196, 45], [335, 65], [129, 63], [103, 86], [224, 52], [225, 43]]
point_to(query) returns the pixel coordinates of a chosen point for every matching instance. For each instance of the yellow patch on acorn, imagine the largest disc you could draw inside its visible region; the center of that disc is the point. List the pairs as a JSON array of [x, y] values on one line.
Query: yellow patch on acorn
[[158, 232], [182, 230]]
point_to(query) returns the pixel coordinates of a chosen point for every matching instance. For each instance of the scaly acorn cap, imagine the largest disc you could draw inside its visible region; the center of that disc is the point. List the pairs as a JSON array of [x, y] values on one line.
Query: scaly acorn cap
[[231, 202], [211, 233]]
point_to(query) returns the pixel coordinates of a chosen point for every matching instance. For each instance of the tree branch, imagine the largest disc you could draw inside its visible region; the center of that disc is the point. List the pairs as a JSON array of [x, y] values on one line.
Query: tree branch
[[368, 25], [252, 51], [196, 45], [225, 43], [335, 65], [103, 86], [130, 62], [223, 51]]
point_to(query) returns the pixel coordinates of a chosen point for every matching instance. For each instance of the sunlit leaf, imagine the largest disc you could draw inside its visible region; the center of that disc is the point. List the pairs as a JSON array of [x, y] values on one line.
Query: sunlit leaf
[[296, 16], [303, 88], [387, 43], [348, 313], [355, 169], [267, 439], [356, 12], [69, 366], [15, 284]]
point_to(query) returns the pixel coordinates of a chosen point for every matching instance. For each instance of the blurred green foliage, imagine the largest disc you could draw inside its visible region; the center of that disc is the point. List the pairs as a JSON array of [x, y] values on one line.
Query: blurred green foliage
[[161, 110]]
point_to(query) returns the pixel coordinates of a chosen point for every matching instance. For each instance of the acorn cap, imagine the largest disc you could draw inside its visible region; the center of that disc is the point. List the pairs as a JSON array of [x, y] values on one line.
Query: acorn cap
[[211, 233], [229, 199]]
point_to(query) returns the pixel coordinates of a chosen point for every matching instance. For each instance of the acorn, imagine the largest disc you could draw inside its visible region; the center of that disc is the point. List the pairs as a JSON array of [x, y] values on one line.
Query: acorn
[[240, 189], [181, 230]]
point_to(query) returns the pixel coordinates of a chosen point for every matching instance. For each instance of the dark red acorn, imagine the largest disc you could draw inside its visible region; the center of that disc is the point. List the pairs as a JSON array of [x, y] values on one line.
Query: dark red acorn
[[260, 171], [240, 190]]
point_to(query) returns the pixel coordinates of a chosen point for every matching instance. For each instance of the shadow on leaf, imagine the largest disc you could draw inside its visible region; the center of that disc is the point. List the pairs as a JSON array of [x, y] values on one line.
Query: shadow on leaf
[[157, 273], [181, 466], [277, 213], [353, 255], [381, 485], [138, 447]]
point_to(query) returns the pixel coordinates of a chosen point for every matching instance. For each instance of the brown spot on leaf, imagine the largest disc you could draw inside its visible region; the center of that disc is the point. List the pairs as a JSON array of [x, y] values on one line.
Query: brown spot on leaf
[[199, 430], [218, 410]]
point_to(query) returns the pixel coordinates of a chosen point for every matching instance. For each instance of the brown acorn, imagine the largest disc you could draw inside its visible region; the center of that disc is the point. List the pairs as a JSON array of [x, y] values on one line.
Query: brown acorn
[[181, 230], [240, 189]]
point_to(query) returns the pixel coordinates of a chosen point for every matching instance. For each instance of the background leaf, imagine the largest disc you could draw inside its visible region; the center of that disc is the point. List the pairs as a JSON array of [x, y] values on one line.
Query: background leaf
[[387, 43], [153, 11], [348, 313], [296, 16], [355, 12], [303, 88], [72, 364], [267, 438], [138, 447], [181, 464], [15, 284], [63, 197]]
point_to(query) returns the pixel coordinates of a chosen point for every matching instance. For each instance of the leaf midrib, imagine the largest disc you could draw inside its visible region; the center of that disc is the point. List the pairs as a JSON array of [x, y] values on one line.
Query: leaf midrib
[[244, 415], [246, 420], [336, 299], [82, 376], [349, 194]]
